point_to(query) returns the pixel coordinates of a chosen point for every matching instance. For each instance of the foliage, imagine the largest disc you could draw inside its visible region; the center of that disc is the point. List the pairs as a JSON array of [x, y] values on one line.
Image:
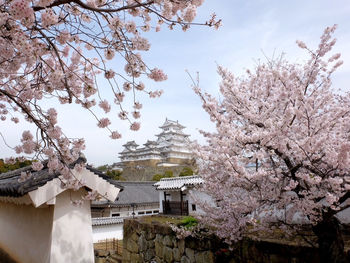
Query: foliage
[[186, 171], [166, 174], [103, 168], [157, 177], [58, 50], [115, 175], [281, 149], [6, 167], [188, 222]]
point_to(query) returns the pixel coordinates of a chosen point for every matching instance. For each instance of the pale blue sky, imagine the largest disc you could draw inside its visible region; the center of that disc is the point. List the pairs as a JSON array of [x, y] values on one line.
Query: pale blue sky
[[250, 30]]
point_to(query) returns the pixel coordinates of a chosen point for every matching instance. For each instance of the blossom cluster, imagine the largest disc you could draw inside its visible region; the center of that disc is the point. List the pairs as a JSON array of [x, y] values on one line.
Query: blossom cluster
[[281, 149], [55, 50]]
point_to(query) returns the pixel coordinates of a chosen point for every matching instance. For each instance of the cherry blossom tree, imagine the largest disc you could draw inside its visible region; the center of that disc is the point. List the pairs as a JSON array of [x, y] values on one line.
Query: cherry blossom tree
[[281, 150], [56, 49]]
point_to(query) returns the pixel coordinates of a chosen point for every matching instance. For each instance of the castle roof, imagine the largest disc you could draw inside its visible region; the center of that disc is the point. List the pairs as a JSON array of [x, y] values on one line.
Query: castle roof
[[136, 193], [150, 143], [172, 133], [131, 143], [168, 123]]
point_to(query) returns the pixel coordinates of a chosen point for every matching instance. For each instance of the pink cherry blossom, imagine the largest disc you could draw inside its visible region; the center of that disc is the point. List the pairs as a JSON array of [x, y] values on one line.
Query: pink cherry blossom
[[105, 106], [157, 75], [103, 123], [48, 18], [135, 126], [109, 53], [136, 114], [37, 166], [52, 52], [281, 149], [24, 177], [115, 135]]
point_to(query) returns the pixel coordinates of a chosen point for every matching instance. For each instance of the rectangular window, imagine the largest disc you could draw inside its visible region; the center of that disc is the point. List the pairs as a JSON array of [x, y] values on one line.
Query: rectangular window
[[148, 212], [140, 213], [194, 207], [115, 214], [155, 211]]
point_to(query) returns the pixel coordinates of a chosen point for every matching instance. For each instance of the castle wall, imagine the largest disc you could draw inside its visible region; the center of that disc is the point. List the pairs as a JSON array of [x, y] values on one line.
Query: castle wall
[[148, 163], [146, 173]]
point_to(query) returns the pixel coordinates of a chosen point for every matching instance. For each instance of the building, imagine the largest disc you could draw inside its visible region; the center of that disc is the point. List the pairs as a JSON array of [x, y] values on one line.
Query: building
[[179, 196], [136, 199], [170, 149], [40, 223]]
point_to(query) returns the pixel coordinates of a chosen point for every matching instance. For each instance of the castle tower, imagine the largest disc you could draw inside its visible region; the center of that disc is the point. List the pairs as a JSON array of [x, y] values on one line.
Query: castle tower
[[170, 149], [173, 144]]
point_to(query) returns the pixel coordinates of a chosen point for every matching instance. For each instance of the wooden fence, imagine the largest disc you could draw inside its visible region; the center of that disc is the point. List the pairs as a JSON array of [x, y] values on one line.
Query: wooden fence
[[110, 244]]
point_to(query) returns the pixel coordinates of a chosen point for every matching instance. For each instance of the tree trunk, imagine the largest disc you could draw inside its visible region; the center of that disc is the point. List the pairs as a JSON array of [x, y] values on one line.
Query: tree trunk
[[330, 241]]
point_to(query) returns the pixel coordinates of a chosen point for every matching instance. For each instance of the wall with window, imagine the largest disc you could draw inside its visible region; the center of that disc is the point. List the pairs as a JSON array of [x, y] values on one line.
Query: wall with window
[[138, 210], [194, 198]]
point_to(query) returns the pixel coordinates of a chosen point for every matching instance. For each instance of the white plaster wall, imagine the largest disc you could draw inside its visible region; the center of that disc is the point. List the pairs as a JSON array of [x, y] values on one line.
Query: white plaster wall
[[127, 211], [197, 197], [72, 230], [100, 233], [174, 196], [161, 199], [25, 232]]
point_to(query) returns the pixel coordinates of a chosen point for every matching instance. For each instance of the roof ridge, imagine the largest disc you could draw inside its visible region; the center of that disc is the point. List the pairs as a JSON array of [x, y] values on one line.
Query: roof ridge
[[180, 177]]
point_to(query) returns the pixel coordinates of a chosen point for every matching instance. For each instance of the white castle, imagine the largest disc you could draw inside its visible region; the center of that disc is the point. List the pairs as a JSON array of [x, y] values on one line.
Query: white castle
[[170, 149]]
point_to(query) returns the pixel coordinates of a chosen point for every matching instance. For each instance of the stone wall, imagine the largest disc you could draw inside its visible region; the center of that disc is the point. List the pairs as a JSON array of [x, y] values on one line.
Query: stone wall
[[104, 256], [155, 242]]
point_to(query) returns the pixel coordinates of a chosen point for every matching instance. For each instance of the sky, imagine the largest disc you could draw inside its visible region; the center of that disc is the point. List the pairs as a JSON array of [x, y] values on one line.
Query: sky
[[252, 30]]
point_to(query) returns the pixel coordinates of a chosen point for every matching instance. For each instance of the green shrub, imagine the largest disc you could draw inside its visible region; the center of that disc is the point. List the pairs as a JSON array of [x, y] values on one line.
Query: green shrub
[[186, 171], [115, 175], [157, 177], [167, 174], [188, 222], [10, 167]]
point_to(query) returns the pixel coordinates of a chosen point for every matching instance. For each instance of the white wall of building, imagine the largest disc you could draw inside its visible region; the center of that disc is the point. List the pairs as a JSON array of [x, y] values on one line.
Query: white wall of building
[[139, 210], [71, 230], [51, 233], [100, 233], [194, 197], [25, 232]]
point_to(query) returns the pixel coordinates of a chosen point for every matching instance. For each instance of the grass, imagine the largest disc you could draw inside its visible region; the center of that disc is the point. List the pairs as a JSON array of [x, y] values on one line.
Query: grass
[[161, 219]]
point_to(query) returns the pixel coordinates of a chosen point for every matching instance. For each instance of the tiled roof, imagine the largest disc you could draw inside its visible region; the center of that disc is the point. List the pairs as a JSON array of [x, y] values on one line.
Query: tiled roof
[[176, 183], [133, 193], [11, 187], [170, 122], [100, 221]]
